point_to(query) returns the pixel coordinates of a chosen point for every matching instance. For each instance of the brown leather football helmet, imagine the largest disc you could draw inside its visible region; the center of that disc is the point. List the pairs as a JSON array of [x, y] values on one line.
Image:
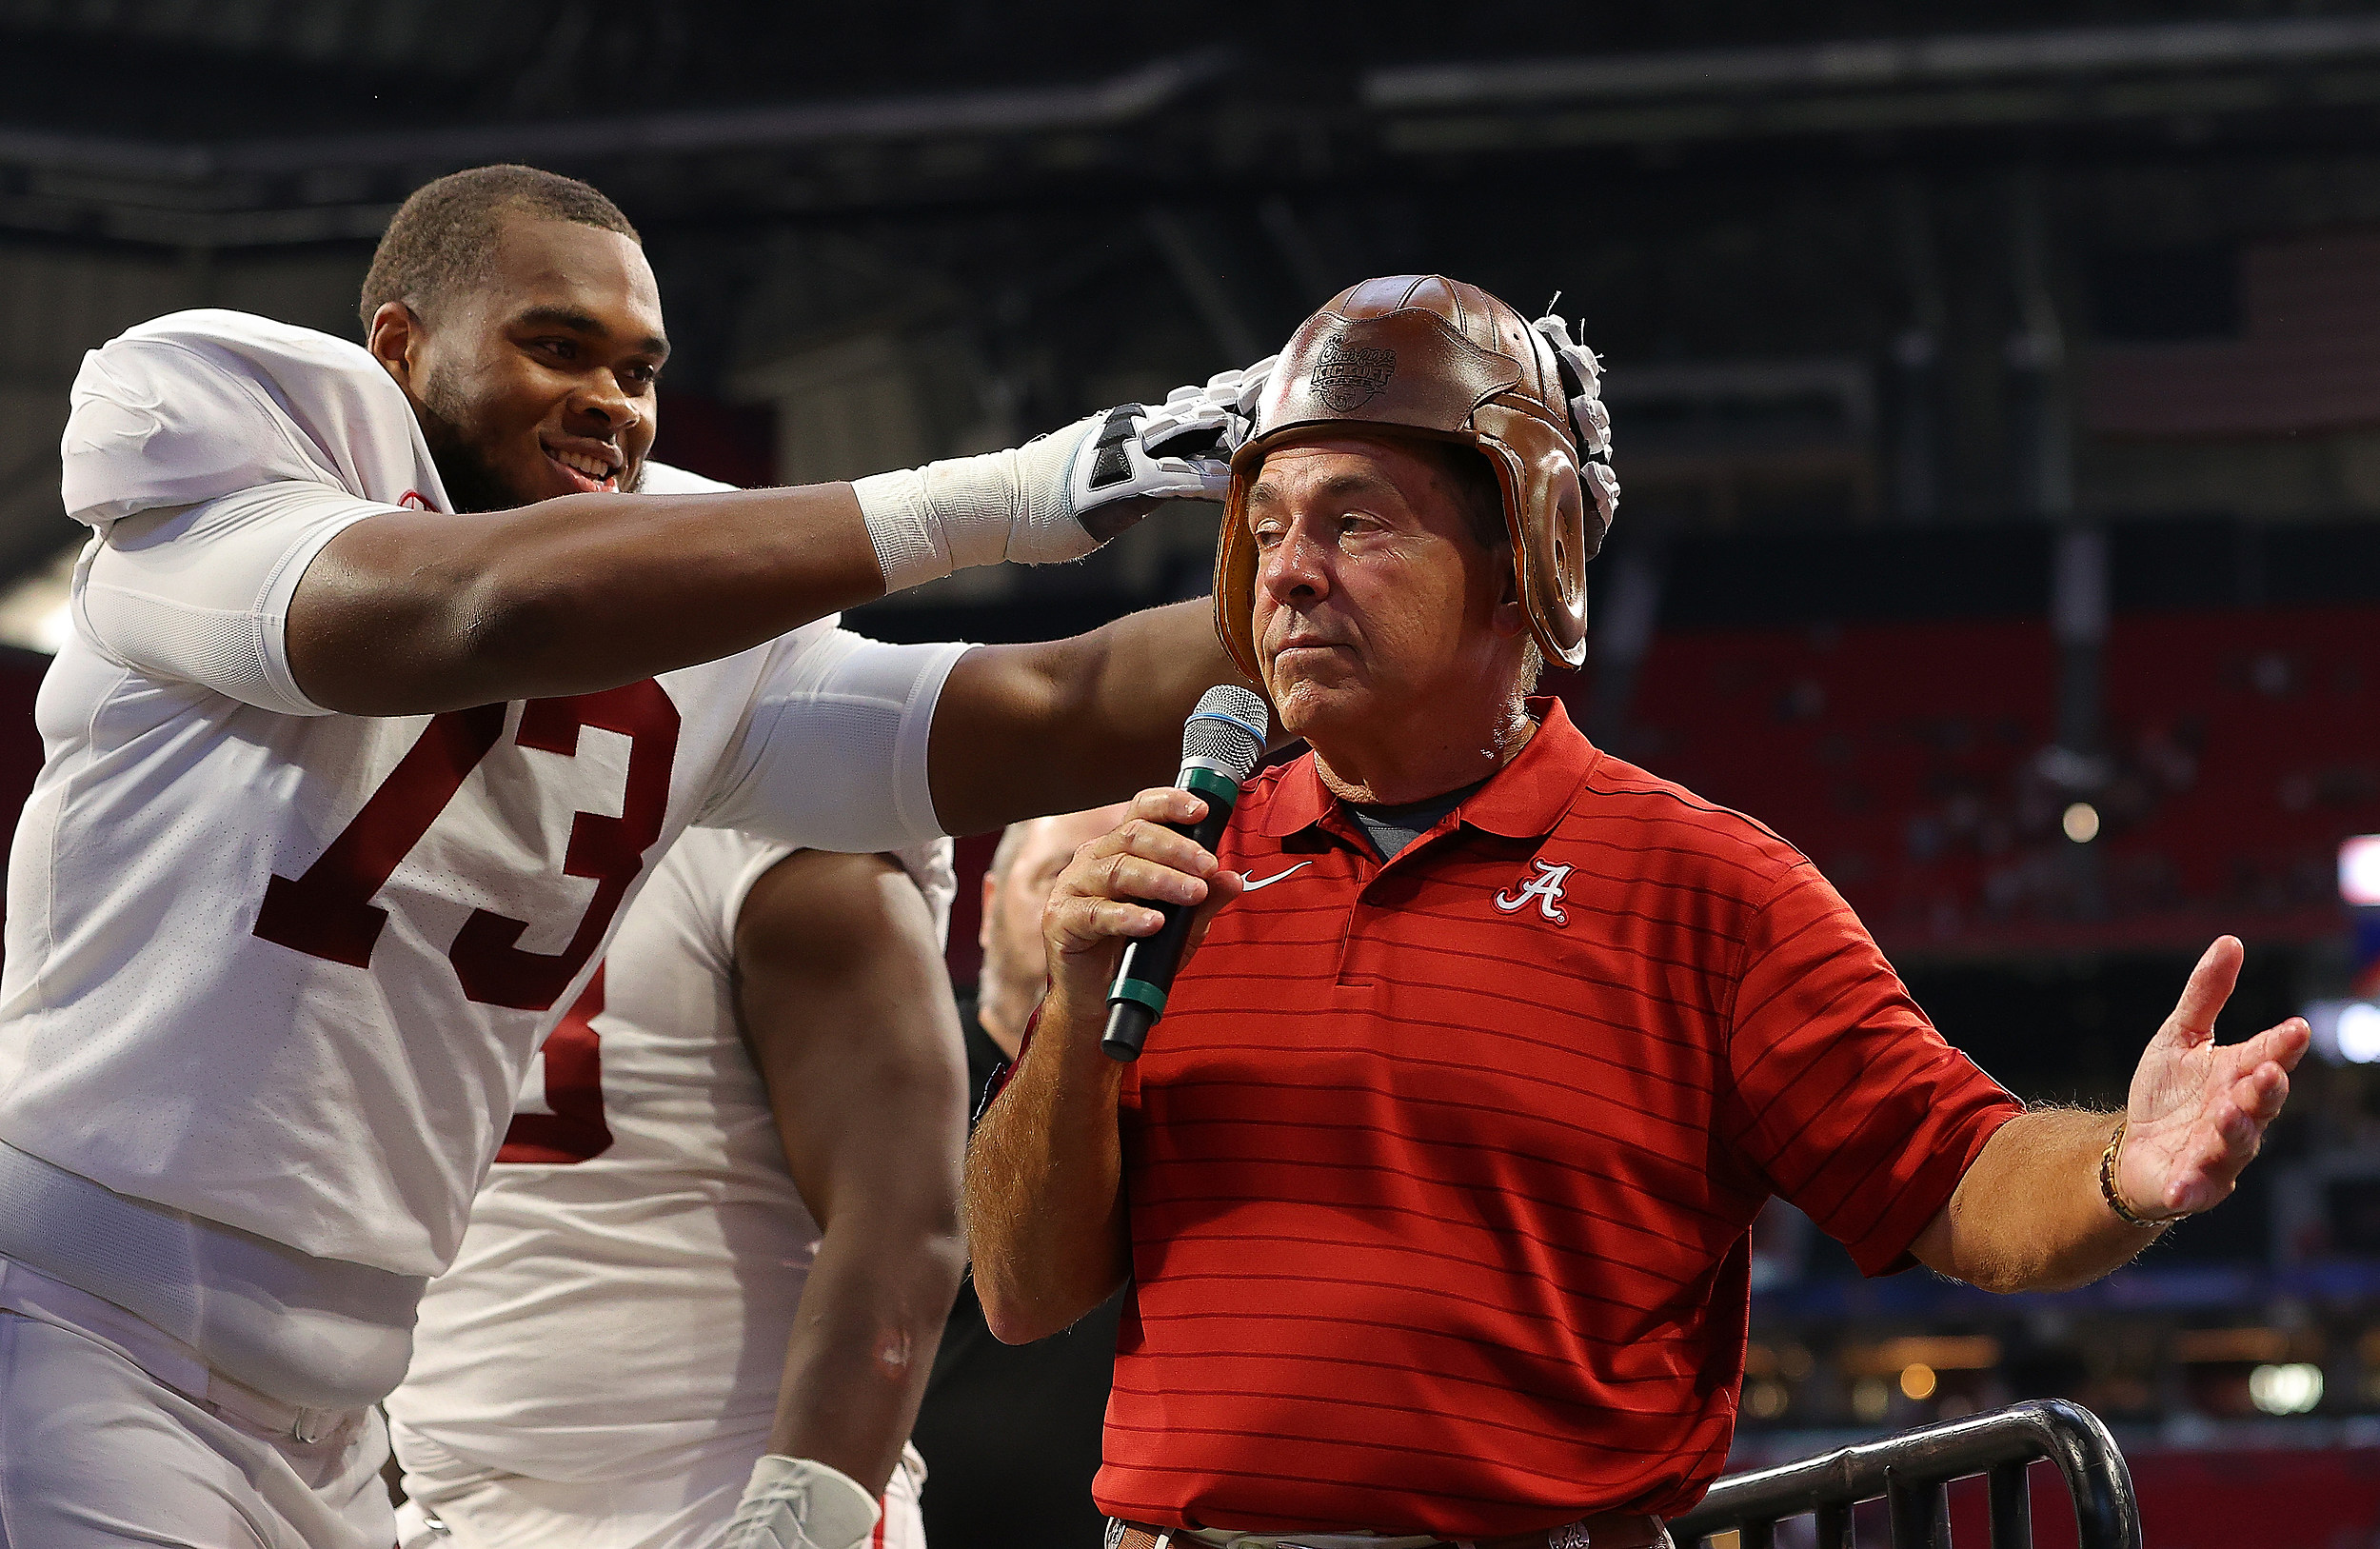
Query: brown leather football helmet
[[1426, 356]]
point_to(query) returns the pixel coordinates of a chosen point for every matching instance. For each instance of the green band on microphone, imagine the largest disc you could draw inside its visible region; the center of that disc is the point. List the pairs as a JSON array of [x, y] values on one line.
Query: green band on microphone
[[1140, 990], [1213, 785]]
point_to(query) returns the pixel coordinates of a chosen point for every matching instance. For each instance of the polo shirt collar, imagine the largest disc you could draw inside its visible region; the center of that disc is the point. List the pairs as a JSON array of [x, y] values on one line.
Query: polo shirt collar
[[1523, 800]]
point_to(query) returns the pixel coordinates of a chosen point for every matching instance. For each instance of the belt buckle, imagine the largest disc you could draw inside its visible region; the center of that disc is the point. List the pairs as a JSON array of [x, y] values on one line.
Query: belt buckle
[[1569, 1535]]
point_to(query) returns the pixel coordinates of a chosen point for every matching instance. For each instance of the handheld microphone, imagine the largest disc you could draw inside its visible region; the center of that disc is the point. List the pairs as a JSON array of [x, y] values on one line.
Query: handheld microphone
[[1220, 743]]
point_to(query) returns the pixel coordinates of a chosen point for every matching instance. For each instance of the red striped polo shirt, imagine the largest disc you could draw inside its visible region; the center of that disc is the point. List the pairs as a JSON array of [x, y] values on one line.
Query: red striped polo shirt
[[1441, 1170]]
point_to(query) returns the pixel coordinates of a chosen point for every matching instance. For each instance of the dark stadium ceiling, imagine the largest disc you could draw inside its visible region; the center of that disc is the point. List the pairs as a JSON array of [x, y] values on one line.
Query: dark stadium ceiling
[[241, 123]]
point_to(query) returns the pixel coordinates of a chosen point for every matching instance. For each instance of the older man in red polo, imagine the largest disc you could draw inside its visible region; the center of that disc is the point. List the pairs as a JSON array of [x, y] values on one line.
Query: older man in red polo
[[1434, 1187]]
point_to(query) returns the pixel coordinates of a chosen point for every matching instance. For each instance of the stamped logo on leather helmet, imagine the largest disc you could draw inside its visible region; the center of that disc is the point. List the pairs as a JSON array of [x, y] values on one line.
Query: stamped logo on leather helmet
[[1346, 380]]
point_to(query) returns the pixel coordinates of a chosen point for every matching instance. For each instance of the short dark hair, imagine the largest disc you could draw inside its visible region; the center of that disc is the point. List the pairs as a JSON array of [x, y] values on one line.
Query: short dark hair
[[445, 236]]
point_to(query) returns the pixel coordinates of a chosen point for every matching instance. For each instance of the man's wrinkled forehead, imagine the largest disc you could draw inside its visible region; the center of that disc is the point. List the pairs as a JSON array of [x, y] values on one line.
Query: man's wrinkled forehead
[[1339, 469]]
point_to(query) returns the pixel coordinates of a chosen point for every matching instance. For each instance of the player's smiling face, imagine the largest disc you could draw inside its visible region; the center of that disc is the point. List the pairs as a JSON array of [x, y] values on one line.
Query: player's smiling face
[[1372, 598], [542, 381]]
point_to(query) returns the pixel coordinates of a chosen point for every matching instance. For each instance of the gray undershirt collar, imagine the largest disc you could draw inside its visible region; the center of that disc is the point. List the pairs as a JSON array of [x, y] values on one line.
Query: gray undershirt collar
[[1392, 828]]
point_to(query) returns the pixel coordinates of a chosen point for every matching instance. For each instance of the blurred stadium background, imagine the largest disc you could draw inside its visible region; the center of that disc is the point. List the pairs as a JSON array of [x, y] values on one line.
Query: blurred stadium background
[[1997, 393]]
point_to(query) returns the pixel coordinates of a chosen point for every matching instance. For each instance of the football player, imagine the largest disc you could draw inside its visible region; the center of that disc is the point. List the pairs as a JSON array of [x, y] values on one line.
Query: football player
[[756, 1106], [394, 671]]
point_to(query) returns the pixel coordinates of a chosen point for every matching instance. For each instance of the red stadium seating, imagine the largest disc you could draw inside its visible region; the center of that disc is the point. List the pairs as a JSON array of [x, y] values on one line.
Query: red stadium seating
[[2279, 711], [1907, 760], [1889, 754]]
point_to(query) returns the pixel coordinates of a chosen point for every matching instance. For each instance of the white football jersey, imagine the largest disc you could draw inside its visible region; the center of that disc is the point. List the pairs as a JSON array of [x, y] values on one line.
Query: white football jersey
[[627, 1288], [284, 969]]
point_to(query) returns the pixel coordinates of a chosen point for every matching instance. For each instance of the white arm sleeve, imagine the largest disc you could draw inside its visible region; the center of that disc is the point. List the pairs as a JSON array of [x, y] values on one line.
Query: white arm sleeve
[[935, 869], [201, 593], [931, 869], [834, 754]]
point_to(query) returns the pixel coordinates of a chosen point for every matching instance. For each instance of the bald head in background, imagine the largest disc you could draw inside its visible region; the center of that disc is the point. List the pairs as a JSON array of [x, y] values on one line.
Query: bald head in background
[[1017, 884]]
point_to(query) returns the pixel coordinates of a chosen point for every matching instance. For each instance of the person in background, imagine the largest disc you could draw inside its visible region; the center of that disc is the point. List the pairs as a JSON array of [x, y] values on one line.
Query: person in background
[[1012, 1432], [746, 1134]]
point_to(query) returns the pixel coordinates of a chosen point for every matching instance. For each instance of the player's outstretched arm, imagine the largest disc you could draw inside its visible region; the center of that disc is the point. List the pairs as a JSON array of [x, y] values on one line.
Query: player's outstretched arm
[[1044, 1193], [2031, 1214], [415, 612], [1025, 730], [847, 1008], [408, 612]]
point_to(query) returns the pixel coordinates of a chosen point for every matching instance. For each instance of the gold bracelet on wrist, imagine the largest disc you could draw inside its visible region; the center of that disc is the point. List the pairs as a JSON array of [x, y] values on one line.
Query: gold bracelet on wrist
[[2108, 1190]]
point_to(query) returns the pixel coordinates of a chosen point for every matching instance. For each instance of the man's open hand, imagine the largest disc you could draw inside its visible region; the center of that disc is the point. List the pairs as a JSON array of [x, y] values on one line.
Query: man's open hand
[[2198, 1109]]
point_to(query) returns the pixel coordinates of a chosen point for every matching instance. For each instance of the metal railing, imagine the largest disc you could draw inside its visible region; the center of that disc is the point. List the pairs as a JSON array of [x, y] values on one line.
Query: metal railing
[[1912, 1473]]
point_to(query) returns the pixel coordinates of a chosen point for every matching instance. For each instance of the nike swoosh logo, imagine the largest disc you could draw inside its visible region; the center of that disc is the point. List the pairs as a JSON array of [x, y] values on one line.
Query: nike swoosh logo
[[1252, 884]]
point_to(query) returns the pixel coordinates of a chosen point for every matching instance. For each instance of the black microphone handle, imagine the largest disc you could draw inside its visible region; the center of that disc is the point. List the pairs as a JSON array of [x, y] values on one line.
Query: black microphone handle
[[1128, 1024], [1146, 972]]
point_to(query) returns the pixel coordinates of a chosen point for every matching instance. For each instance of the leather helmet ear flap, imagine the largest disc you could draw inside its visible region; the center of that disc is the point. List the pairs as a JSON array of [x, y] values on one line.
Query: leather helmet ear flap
[[1235, 572], [1539, 471]]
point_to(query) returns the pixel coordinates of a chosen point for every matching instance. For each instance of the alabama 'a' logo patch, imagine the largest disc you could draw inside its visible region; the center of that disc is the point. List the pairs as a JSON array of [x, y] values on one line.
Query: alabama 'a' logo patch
[[1346, 380], [1545, 888]]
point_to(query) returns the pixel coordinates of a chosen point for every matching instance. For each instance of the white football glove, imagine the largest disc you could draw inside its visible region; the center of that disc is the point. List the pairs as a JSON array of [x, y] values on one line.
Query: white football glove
[[1208, 424], [798, 1504], [1582, 380], [1178, 450], [1062, 495]]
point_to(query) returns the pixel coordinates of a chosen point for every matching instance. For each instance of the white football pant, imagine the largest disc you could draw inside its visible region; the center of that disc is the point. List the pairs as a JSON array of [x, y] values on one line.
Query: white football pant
[[97, 1451], [455, 1505]]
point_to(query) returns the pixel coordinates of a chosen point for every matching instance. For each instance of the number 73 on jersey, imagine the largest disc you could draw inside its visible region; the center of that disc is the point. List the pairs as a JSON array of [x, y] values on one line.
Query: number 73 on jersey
[[327, 911]]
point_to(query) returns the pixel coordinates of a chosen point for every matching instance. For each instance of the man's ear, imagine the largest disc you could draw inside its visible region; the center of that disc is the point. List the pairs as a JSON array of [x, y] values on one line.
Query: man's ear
[[983, 921], [1509, 618], [394, 337]]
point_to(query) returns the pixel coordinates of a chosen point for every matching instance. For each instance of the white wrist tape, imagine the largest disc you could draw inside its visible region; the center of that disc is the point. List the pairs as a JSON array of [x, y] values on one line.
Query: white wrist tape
[[795, 1503], [927, 522]]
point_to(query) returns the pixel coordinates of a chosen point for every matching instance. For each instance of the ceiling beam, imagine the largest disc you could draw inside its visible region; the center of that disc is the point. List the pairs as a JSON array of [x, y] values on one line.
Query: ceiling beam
[[1881, 64], [1120, 99], [1195, 121]]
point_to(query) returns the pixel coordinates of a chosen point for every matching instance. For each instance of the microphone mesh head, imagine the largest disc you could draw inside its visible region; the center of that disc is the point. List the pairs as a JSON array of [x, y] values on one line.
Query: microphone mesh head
[[1228, 728]]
